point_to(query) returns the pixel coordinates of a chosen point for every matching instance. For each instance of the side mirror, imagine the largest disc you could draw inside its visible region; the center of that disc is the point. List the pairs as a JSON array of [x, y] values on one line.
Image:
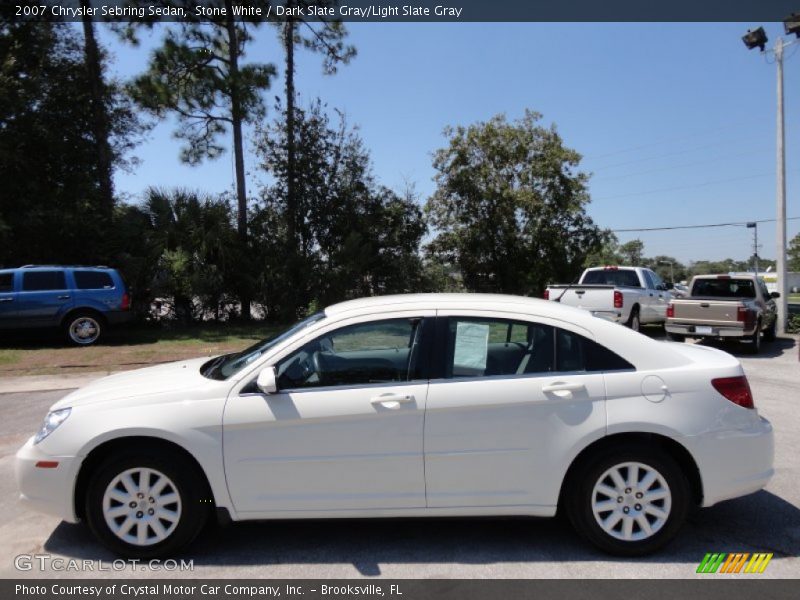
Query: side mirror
[[775, 295], [267, 380]]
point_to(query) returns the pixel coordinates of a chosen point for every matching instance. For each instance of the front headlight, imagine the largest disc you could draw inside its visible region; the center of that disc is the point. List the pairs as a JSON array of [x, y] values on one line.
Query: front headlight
[[51, 423]]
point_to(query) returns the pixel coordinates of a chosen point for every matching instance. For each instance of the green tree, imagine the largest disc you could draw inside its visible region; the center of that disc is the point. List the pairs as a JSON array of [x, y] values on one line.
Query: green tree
[[793, 254], [198, 75], [608, 253], [509, 207], [631, 252], [52, 199]]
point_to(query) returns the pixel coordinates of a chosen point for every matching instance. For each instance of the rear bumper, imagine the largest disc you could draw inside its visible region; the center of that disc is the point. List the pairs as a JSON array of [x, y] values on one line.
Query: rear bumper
[[734, 463], [614, 316], [46, 490], [717, 331], [118, 317]]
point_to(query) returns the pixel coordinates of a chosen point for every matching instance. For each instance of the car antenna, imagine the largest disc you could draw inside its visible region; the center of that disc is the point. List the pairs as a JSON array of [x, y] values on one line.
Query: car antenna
[[566, 289]]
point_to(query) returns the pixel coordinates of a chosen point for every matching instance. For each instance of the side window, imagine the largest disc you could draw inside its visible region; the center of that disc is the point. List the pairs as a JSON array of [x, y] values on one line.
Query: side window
[[487, 347], [93, 280], [41, 281], [657, 281], [6, 282], [374, 352], [577, 353], [764, 289], [650, 284]]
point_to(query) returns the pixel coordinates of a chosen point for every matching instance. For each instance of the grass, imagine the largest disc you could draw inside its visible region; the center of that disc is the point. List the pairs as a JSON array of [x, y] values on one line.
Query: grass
[[127, 348]]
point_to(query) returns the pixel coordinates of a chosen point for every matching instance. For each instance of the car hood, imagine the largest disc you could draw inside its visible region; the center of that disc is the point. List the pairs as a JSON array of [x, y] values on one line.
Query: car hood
[[154, 382]]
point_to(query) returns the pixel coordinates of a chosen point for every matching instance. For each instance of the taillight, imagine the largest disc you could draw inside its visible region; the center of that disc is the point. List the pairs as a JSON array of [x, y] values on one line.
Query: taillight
[[126, 302], [670, 311], [743, 315], [735, 389], [546, 295], [617, 299]]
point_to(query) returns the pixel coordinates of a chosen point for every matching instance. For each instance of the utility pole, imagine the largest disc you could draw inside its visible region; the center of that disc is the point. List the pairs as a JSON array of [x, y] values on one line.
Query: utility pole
[[781, 195], [754, 227]]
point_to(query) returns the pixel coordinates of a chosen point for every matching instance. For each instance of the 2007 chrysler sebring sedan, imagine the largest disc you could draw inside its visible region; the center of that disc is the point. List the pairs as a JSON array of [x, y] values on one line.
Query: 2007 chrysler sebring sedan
[[405, 406]]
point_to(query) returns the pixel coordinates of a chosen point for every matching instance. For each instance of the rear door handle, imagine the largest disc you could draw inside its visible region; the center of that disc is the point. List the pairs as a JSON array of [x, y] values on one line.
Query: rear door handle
[[6, 299], [392, 401], [66, 297], [562, 389]]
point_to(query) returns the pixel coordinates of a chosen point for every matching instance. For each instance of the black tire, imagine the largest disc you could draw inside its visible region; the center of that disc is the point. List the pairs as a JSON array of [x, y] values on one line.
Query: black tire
[[84, 328], [634, 319], [676, 337], [754, 345], [579, 498], [184, 479], [771, 332]]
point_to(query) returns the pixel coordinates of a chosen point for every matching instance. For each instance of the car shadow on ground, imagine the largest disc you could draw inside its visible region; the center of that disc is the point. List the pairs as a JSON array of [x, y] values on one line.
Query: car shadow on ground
[[768, 349], [761, 522]]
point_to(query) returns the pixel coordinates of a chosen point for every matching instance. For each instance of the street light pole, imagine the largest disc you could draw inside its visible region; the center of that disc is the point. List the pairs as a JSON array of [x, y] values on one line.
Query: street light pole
[[781, 195]]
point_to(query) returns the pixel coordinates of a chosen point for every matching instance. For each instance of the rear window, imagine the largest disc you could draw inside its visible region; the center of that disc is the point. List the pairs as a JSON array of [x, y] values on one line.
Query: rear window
[[93, 280], [6, 282], [612, 277], [724, 288], [41, 281], [577, 353]]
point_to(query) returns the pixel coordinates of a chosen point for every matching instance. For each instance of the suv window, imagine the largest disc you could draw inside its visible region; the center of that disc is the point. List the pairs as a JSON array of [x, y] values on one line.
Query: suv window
[[487, 347], [373, 352], [622, 278], [40, 281], [93, 280], [6, 282]]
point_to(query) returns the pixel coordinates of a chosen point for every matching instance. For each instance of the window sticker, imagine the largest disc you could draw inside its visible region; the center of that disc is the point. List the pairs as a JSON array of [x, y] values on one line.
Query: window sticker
[[472, 344]]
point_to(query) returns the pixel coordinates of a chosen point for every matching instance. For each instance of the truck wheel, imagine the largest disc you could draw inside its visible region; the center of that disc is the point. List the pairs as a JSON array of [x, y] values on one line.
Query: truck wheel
[[633, 321], [628, 500], [771, 331], [676, 337], [83, 328], [755, 340]]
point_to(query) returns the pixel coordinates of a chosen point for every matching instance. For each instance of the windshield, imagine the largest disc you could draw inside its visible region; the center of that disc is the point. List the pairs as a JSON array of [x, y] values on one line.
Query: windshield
[[612, 277], [226, 365]]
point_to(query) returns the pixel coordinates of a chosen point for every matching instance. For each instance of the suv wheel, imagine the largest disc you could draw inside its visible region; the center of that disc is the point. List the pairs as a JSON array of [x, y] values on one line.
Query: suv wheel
[[628, 502], [83, 328], [145, 507]]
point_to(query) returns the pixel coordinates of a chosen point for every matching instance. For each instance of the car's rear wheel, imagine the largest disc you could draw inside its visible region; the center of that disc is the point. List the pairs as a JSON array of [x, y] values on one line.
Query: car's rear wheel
[[755, 339], [83, 328], [771, 331], [628, 502], [145, 506], [676, 337], [634, 320]]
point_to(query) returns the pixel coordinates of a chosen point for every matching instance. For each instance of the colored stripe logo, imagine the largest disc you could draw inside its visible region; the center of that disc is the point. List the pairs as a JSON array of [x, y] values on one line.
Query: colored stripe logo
[[736, 562]]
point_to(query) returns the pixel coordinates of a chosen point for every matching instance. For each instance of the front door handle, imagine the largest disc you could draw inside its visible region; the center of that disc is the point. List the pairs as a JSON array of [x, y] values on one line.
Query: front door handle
[[65, 297], [392, 401], [562, 389], [6, 299]]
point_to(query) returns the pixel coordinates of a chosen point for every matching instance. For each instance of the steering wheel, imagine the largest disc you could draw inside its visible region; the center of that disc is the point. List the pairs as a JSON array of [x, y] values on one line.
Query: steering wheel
[[316, 360]]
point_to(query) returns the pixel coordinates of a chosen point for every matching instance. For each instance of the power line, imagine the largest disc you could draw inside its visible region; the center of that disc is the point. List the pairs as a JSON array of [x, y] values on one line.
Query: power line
[[737, 224]]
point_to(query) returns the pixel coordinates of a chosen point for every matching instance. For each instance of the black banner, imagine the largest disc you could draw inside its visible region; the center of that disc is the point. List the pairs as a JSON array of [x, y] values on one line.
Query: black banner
[[405, 10]]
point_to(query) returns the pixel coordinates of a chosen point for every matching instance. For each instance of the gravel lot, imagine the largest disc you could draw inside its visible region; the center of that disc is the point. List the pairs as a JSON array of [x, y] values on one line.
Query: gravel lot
[[768, 521]]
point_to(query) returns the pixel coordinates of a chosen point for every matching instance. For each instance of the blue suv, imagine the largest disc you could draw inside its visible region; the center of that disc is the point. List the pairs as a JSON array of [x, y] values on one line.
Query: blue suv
[[81, 301]]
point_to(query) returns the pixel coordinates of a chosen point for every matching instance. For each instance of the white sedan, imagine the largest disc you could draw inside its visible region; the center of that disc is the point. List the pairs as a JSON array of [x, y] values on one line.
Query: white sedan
[[408, 406]]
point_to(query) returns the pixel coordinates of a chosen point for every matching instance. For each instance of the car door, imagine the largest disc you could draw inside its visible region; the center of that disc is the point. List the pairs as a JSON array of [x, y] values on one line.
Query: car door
[[343, 432], [661, 299], [43, 298], [506, 410], [649, 298], [8, 305]]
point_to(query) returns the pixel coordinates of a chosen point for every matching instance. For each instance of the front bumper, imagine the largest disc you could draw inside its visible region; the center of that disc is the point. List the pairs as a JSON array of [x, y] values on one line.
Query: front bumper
[[47, 490], [734, 463], [717, 331]]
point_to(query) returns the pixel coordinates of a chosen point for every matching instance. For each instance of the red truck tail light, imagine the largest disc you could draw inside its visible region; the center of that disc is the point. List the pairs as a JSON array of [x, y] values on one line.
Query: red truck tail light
[[743, 315], [617, 299], [735, 389], [670, 311], [126, 301], [546, 295]]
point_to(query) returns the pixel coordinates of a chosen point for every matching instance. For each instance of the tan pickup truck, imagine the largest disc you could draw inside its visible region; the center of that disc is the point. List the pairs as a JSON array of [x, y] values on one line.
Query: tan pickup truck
[[724, 307]]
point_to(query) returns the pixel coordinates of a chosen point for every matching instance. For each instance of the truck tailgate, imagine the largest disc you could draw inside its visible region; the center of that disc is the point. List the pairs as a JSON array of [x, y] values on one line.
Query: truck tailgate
[[707, 312], [587, 297]]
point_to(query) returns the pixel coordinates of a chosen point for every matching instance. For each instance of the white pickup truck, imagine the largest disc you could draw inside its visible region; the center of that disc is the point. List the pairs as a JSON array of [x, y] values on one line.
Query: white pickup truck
[[628, 295]]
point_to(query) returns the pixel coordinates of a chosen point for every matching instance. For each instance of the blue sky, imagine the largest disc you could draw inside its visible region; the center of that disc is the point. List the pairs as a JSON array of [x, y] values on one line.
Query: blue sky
[[676, 122]]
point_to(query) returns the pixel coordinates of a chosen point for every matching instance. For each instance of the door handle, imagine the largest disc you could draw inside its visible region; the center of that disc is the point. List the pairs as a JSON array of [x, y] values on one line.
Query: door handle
[[562, 389], [65, 297], [6, 299], [392, 401]]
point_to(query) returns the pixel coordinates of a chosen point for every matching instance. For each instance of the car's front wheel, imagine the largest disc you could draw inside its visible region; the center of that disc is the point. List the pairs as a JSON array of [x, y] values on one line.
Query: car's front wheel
[[145, 506], [628, 502]]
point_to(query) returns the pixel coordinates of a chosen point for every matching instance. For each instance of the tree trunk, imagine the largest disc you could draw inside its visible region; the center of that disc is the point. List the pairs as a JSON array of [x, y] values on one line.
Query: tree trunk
[[238, 148], [291, 168], [99, 116]]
